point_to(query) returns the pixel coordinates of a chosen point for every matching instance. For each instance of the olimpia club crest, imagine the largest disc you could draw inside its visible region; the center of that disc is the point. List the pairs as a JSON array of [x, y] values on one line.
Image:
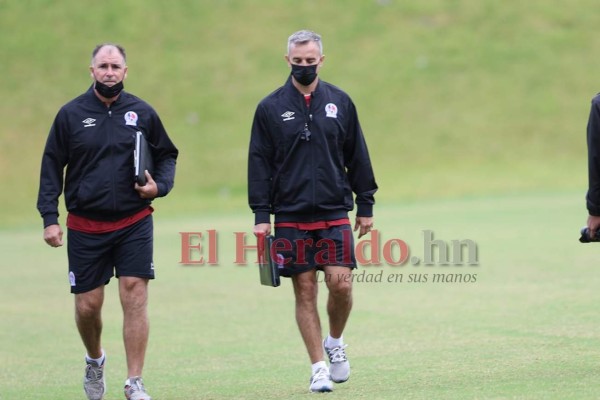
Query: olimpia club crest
[[131, 118], [331, 110]]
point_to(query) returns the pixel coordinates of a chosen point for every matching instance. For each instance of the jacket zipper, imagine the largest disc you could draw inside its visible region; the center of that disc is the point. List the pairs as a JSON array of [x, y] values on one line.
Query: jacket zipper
[[307, 125], [110, 135]]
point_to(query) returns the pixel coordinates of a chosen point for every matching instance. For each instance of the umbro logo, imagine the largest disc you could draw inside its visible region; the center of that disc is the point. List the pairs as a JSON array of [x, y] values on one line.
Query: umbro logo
[[288, 115], [88, 122]]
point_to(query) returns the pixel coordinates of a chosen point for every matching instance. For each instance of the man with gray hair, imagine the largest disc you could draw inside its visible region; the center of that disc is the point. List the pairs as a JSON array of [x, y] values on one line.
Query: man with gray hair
[[307, 157], [109, 221]]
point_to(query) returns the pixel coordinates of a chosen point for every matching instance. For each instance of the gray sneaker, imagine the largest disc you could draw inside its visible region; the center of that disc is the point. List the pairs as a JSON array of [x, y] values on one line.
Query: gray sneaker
[[134, 389], [94, 384], [339, 366], [320, 381]]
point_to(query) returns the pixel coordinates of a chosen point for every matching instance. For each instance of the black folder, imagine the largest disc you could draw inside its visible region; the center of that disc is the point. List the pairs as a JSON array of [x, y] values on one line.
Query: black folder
[[269, 270], [142, 158]]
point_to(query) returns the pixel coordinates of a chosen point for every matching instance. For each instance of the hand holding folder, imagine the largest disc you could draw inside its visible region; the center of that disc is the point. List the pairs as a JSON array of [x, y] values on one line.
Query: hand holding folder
[[268, 268], [142, 158]]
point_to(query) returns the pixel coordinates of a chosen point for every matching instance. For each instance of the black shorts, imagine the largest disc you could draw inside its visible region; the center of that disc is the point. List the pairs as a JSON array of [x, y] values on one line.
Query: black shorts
[[301, 251], [95, 258]]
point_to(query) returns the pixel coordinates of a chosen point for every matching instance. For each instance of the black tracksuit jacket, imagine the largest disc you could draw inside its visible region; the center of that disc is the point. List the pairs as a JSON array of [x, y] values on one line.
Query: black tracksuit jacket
[[96, 145], [307, 177], [593, 141]]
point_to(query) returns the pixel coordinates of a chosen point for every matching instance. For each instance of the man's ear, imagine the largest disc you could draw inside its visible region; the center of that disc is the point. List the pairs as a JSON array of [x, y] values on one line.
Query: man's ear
[[320, 64]]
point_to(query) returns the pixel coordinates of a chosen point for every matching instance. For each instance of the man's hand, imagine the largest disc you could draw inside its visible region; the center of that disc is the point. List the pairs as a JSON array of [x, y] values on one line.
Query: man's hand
[[149, 190], [53, 235], [593, 223], [262, 229], [363, 225]]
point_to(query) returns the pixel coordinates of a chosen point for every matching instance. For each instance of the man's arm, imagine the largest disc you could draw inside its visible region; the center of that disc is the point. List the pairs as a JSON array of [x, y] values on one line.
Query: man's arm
[[165, 155], [359, 168], [593, 144], [260, 170], [54, 160]]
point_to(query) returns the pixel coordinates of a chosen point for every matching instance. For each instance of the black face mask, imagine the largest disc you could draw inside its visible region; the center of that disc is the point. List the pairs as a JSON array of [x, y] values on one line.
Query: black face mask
[[304, 74], [109, 91]]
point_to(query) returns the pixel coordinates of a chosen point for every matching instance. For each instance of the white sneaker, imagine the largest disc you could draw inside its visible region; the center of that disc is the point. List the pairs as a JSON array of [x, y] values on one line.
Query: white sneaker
[[135, 390], [339, 366], [94, 384], [320, 381]]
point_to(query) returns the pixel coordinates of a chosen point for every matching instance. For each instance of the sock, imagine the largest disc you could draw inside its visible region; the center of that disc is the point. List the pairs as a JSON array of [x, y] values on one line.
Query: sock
[[98, 361], [129, 380], [331, 343], [316, 366]]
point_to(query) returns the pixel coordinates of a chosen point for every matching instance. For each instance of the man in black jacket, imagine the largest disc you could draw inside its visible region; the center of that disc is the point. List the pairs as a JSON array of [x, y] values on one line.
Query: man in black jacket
[[307, 156], [593, 194], [109, 221]]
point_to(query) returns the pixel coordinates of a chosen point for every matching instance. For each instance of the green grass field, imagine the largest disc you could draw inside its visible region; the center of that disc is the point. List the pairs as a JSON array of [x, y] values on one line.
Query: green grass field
[[475, 115], [526, 329]]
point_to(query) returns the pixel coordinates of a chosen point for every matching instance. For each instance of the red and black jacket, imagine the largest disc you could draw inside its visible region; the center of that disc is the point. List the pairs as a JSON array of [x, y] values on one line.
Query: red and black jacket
[[305, 163], [96, 144]]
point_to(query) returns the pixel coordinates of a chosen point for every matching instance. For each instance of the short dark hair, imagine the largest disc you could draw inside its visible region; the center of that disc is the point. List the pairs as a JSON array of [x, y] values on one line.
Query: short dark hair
[[117, 46]]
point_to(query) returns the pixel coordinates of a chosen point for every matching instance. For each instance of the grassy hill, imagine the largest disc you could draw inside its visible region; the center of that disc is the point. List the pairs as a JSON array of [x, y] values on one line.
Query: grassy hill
[[475, 114], [456, 98]]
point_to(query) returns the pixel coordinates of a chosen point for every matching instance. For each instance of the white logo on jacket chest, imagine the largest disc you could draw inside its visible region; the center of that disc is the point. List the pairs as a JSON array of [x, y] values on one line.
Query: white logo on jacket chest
[[331, 110], [88, 122], [288, 115], [131, 118]]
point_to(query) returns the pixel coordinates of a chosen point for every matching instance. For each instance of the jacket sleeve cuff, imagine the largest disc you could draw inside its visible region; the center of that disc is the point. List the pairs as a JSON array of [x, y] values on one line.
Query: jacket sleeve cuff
[[364, 210], [50, 219], [262, 217], [594, 211], [592, 206], [162, 189]]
